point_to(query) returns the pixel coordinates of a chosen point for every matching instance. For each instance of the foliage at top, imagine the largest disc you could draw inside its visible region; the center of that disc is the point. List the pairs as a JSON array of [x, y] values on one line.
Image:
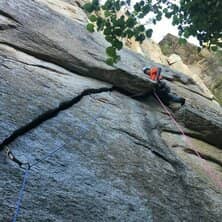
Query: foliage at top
[[107, 19], [199, 18], [119, 19]]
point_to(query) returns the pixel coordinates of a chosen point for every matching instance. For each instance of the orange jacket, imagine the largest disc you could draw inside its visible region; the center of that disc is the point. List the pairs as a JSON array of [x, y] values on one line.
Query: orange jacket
[[154, 74]]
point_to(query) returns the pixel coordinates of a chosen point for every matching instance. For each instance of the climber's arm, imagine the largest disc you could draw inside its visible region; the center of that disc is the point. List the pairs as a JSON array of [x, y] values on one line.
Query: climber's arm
[[158, 76]]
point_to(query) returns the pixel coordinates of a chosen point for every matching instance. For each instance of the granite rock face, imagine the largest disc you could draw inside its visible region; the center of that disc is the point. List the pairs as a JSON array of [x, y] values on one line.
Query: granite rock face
[[120, 157], [204, 66], [210, 71], [51, 36], [31, 88], [188, 52]]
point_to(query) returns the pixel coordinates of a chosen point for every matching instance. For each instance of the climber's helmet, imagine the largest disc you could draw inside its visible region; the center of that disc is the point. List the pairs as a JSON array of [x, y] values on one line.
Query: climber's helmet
[[146, 69]]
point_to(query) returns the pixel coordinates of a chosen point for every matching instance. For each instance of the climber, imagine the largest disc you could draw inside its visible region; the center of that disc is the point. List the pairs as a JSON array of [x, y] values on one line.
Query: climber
[[162, 89]]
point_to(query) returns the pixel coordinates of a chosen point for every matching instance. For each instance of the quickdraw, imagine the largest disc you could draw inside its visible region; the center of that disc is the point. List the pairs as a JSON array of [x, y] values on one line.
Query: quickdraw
[[12, 157]]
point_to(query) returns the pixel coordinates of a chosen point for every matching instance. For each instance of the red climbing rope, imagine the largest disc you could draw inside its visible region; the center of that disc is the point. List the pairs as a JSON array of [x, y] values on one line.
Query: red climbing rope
[[206, 166]]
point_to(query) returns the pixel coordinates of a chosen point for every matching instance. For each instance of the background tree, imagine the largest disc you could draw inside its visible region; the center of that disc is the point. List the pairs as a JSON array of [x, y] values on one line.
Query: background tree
[[200, 18]]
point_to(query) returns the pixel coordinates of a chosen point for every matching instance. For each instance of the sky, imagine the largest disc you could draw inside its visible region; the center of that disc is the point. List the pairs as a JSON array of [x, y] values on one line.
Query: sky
[[163, 27]]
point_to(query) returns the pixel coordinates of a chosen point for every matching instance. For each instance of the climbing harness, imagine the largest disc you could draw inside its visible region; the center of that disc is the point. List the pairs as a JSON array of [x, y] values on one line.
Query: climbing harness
[[206, 167]]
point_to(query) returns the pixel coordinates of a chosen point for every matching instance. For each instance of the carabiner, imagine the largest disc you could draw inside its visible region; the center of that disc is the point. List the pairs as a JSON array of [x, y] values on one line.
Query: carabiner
[[14, 159]]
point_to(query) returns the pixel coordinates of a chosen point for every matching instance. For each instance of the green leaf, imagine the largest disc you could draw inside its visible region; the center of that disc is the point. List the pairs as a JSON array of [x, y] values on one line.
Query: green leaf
[[107, 13], [131, 21], [149, 33], [107, 31], [100, 23], [175, 20], [122, 3], [182, 41], [116, 59], [214, 48], [113, 20], [90, 27], [146, 9], [109, 61], [111, 51], [137, 7], [129, 33], [141, 28], [117, 31], [186, 33], [117, 5], [142, 3], [117, 44], [95, 4], [159, 17], [108, 23], [92, 18], [168, 15], [136, 32], [165, 11], [108, 5], [88, 7], [109, 38], [120, 22], [141, 15], [140, 38]]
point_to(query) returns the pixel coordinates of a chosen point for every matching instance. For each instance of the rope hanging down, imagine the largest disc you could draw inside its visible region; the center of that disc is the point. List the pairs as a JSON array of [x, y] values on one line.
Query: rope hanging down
[[21, 194], [28, 166], [206, 167]]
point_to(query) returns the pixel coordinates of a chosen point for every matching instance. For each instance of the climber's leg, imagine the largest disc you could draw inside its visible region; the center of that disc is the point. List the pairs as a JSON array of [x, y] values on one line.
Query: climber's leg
[[176, 99]]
